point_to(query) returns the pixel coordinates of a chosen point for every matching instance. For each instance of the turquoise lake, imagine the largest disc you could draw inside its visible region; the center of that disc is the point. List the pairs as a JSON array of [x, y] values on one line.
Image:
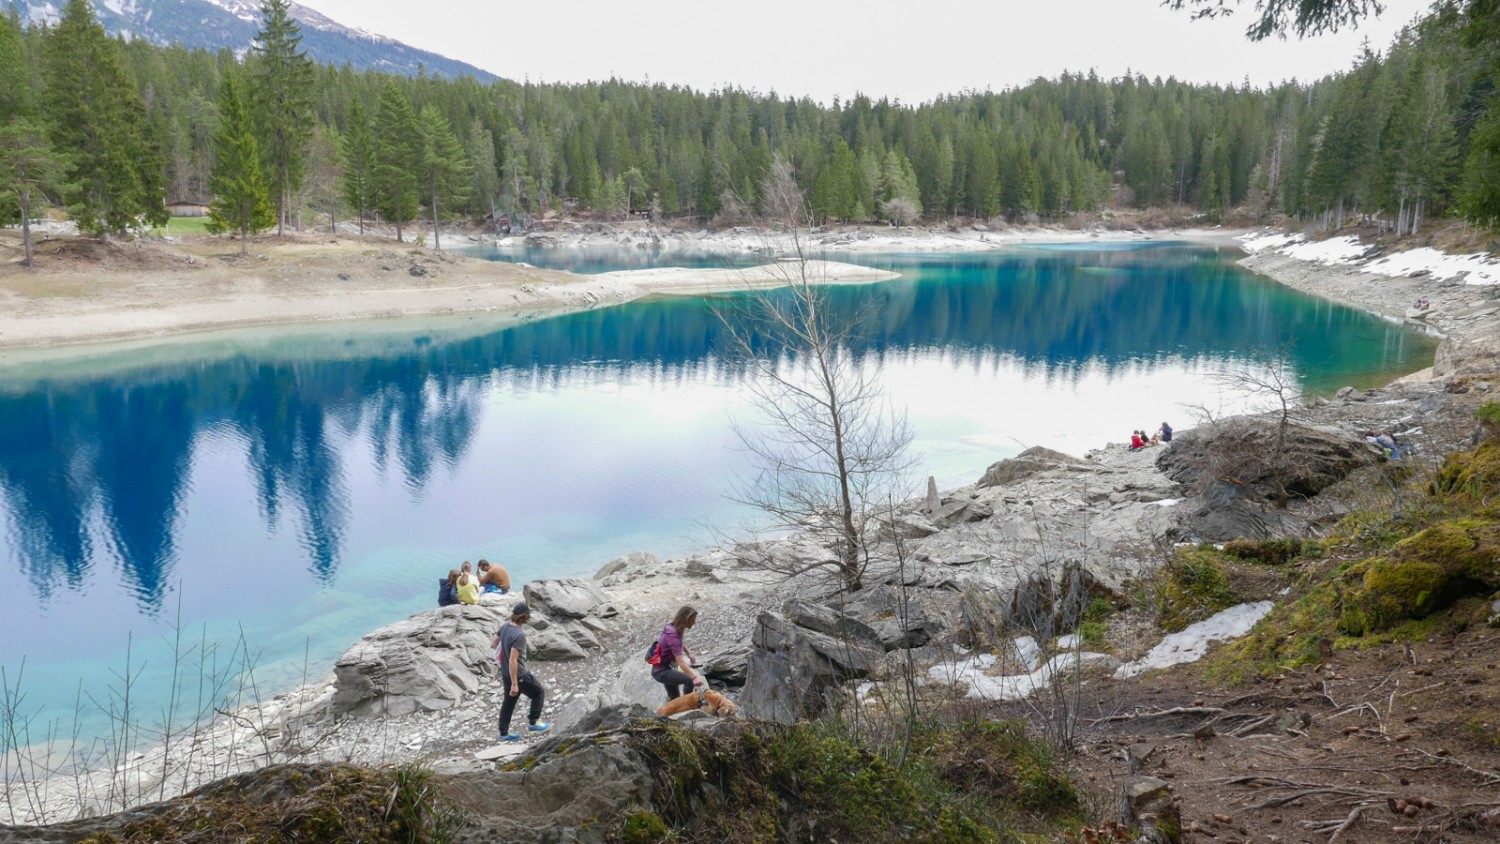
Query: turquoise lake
[[295, 489]]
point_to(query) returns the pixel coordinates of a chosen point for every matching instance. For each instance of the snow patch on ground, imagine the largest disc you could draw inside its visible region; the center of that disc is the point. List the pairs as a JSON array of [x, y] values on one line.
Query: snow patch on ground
[[977, 673], [1480, 267], [1191, 643]]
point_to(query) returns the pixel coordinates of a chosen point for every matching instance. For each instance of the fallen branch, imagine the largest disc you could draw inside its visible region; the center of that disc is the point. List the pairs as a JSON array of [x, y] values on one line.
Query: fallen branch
[[1166, 713], [1338, 827], [1486, 778]]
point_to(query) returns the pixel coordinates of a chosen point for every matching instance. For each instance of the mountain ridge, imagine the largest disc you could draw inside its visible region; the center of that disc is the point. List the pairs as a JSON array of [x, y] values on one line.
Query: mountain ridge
[[233, 24]]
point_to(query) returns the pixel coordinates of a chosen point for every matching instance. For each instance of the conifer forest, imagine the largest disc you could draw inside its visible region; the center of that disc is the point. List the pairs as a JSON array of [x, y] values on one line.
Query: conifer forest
[[111, 130]]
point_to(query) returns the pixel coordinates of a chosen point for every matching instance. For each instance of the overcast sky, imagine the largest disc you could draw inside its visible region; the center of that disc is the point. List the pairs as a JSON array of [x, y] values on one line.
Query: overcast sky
[[913, 50]]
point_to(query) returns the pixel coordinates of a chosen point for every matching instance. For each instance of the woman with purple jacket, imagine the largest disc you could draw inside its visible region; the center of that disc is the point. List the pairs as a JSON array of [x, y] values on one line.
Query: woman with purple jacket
[[675, 670]]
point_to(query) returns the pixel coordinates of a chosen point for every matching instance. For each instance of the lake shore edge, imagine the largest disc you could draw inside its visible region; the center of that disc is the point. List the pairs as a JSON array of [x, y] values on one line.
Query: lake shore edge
[[678, 583], [87, 294]]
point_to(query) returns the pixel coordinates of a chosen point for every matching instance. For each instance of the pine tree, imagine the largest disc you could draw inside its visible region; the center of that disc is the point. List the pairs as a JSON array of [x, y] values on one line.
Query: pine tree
[[444, 167], [115, 179], [240, 199], [398, 154], [29, 165], [486, 183], [357, 147], [282, 94]]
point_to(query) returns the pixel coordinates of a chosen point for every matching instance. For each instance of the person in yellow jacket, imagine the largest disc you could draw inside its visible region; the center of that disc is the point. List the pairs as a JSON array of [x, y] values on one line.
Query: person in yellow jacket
[[468, 589]]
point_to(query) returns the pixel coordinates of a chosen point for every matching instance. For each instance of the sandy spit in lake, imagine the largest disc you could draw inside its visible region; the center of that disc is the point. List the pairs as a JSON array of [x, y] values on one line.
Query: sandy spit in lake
[[85, 292]]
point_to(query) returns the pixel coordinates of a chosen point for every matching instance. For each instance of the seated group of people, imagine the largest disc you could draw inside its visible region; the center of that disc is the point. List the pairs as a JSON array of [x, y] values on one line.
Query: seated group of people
[[1387, 443], [1138, 439], [463, 586]]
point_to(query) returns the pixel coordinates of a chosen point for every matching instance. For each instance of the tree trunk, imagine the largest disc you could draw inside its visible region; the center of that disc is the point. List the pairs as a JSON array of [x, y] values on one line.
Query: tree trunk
[[25, 195], [244, 241], [437, 242]]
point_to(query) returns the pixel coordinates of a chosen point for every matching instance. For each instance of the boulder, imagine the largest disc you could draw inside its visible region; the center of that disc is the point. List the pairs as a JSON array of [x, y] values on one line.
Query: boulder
[[428, 662], [1241, 473], [572, 796], [553, 645], [1049, 600], [800, 655], [957, 511], [633, 560], [567, 598], [727, 667], [1146, 802], [1024, 465], [881, 607]]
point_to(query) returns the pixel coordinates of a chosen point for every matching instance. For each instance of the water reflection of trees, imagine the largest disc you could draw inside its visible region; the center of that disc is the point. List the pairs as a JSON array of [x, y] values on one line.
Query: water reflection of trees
[[121, 445]]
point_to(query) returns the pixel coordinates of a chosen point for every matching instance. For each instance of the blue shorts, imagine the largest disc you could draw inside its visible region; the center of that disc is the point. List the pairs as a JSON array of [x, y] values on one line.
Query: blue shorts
[[490, 587]]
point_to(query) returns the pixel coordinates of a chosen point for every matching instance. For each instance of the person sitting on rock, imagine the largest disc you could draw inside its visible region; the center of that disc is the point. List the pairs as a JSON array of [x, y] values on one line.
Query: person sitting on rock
[[448, 589], [1387, 443], [676, 663], [468, 588], [1136, 443], [493, 577], [1164, 433]]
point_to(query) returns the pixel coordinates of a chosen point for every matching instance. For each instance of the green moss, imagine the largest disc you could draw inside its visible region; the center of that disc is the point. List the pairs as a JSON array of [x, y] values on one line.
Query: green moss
[[1474, 475], [1193, 587], [642, 827], [1383, 593]]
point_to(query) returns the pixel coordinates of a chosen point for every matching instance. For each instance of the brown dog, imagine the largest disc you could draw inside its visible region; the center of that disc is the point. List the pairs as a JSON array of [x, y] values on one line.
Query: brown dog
[[707, 700]]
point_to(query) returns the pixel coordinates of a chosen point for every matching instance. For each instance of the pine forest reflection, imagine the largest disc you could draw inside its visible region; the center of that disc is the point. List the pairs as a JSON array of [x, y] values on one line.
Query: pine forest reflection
[[315, 492]]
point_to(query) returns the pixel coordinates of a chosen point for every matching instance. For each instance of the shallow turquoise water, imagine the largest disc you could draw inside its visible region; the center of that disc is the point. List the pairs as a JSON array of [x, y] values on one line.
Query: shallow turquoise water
[[296, 489]]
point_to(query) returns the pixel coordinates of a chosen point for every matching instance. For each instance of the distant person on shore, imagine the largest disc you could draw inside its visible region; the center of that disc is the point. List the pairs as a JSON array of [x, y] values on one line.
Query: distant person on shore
[[509, 643], [1164, 433], [468, 588], [1136, 443], [448, 589], [493, 577], [676, 664]]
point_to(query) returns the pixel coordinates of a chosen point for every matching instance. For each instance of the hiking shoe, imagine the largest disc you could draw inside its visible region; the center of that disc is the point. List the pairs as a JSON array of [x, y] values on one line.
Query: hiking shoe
[[511, 737], [540, 727]]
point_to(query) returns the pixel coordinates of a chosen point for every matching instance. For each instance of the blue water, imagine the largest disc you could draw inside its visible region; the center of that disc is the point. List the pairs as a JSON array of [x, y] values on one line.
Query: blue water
[[294, 489]]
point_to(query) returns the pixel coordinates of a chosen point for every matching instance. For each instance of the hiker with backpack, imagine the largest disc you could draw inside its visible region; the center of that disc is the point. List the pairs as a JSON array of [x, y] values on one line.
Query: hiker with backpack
[[509, 643], [672, 664]]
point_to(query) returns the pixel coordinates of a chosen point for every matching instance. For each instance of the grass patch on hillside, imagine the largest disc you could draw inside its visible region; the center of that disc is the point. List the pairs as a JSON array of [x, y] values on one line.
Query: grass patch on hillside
[[1390, 575], [971, 782], [396, 805]]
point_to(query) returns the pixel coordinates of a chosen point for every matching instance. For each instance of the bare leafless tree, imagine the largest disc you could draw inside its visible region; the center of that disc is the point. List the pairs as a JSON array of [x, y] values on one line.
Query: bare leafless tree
[[828, 448]]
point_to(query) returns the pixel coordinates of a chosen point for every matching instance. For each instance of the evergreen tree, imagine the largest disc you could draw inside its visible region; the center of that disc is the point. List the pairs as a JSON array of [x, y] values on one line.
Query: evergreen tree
[[486, 182], [240, 199], [398, 153], [29, 165], [115, 180], [358, 150], [282, 93], [444, 167], [515, 174]]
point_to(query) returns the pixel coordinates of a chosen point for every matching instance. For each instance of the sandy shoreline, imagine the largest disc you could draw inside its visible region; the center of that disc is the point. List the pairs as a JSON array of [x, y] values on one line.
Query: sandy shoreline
[[83, 293]]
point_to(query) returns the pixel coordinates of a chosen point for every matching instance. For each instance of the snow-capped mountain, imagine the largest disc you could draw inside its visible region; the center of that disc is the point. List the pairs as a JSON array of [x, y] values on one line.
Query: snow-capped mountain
[[216, 24]]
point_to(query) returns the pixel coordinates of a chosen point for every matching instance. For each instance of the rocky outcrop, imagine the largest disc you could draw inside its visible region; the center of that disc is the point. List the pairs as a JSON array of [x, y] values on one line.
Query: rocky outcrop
[[567, 598], [557, 797], [427, 662], [801, 654], [1050, 599], [1243, 472], [1024, 465]]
